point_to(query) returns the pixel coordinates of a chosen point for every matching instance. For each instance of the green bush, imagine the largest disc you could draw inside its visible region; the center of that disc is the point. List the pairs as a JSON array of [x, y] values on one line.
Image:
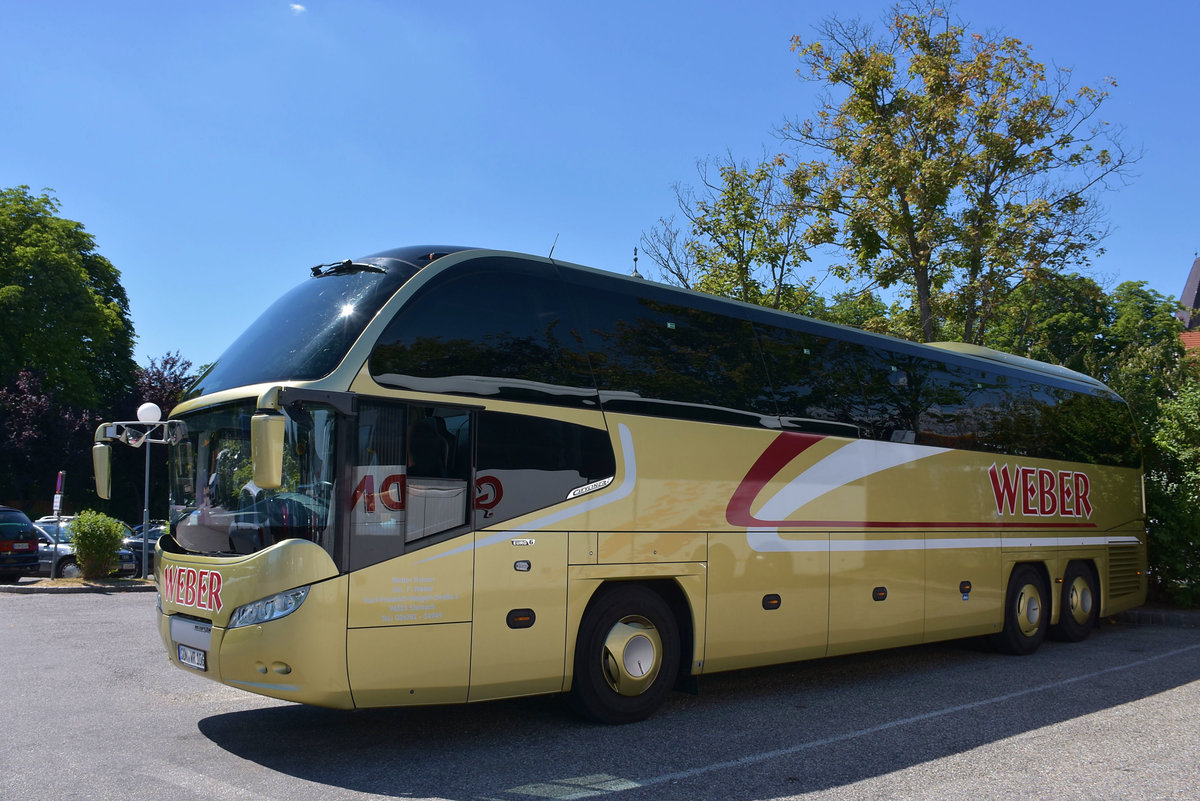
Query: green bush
[[96, 538], [1173, 496], [1174, 542]]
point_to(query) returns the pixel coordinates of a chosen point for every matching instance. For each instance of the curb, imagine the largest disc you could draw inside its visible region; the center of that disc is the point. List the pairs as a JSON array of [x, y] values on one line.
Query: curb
[[1179, 619], [96, 589]]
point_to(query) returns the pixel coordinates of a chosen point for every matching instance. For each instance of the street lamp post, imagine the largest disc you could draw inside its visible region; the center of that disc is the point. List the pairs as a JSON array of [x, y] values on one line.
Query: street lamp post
[[149, 414], [148, 429]]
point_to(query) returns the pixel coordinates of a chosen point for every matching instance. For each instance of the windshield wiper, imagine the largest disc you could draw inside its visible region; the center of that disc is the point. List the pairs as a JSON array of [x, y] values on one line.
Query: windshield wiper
[[343, 267]]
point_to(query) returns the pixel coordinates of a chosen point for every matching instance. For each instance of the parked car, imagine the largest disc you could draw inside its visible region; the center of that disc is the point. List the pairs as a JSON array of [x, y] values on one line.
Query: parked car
[[134, 542], [18, 546], [56, 554], [49, 521]]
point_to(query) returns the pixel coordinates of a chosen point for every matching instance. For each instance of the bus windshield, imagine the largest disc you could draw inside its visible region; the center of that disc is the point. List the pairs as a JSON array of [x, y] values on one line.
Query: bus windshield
[[304, 334], [215, 505]]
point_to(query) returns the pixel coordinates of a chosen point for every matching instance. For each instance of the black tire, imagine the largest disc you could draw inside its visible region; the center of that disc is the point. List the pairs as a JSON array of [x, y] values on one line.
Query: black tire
[[1080, 604], [626, 656], [67, 568], [10, 578], [1026, 612]]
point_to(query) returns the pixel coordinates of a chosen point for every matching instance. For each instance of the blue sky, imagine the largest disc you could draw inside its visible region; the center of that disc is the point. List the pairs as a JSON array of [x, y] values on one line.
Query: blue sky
[[216, 150]]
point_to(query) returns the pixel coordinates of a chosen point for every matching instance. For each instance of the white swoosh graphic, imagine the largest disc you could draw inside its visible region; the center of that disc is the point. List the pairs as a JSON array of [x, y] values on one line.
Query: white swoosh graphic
[[853, 462]]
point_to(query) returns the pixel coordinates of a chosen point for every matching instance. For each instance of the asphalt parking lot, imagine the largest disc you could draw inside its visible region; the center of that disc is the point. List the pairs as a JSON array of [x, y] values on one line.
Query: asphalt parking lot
[[93, 711]]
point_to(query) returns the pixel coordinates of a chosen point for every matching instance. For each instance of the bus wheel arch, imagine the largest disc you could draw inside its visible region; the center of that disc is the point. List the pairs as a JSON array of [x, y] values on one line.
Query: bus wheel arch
[[1027, 609], [627, 654], [1080, 602]]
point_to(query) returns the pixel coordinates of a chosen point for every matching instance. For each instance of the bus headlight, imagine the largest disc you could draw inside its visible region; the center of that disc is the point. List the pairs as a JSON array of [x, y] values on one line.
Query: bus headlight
[[272, 608]]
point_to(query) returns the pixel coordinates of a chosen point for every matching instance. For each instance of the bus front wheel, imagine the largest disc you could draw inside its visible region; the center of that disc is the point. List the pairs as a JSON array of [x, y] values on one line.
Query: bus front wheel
[[1026, 612], [1080, 604], [626, 656]]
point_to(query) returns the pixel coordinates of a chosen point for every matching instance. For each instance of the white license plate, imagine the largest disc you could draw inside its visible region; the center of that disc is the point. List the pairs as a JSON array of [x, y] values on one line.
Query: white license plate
[[193, 657]]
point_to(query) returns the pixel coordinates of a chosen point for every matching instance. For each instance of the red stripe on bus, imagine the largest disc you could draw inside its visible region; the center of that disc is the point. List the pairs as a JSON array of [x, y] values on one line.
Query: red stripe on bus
[[786, 447]]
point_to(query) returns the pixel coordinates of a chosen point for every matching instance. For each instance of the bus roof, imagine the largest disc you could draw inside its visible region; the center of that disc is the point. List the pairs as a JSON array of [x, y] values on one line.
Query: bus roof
[[966, 352]]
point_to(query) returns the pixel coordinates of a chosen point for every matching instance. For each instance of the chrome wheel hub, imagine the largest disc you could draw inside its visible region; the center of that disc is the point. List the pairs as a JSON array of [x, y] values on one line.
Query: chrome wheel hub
[[1080, 600], [1029, 610], [632, 655]]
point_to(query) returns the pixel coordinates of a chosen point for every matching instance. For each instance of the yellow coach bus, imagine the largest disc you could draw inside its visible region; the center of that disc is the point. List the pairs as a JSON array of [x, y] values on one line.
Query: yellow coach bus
[[438, 475]]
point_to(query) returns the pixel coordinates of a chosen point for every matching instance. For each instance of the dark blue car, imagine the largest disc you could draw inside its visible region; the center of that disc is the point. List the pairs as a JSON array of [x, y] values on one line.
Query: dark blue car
[[18, 546]]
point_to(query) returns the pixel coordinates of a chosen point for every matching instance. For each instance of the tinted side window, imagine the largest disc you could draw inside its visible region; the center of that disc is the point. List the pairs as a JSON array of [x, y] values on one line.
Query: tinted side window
[[529, 463], [983, 410], [1060, 423], [960, 399], [848, 388], [410, 479], [653, 356], [495, 328], [816, 381]]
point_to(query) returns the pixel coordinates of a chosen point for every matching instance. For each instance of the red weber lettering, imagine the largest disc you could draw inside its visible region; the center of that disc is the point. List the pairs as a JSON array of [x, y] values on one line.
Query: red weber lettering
[[1047, 499], [1066, 494], [391, 493], [1004, 487], [1028, 491], [199, 589], [1042, 492]]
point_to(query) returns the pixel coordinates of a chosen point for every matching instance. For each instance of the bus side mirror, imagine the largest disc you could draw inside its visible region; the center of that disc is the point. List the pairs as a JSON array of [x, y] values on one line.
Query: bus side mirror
[[102, 468], [266, 449]]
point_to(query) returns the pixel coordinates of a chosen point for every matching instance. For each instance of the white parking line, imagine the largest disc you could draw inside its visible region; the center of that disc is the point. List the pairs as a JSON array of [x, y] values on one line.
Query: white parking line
[[204, 785], [568, 788], [577, 787]]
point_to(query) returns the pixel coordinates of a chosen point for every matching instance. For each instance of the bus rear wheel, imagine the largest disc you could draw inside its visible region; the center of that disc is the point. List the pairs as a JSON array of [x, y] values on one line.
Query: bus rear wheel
[[1026, 612], [626, 656], [1080, 604]]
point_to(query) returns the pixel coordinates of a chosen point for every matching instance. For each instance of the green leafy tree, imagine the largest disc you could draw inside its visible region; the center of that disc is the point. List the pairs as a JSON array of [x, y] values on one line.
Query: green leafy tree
[[1056, 318], [1173, 496], [66, 344], [1141, 356], [955, 161], [748, 232], [1144, 361], [858, 309], [63, 312]]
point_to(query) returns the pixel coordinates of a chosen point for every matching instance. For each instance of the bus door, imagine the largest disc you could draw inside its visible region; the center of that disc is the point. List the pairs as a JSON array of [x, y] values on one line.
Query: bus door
[[410, 557], [529, 470]]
